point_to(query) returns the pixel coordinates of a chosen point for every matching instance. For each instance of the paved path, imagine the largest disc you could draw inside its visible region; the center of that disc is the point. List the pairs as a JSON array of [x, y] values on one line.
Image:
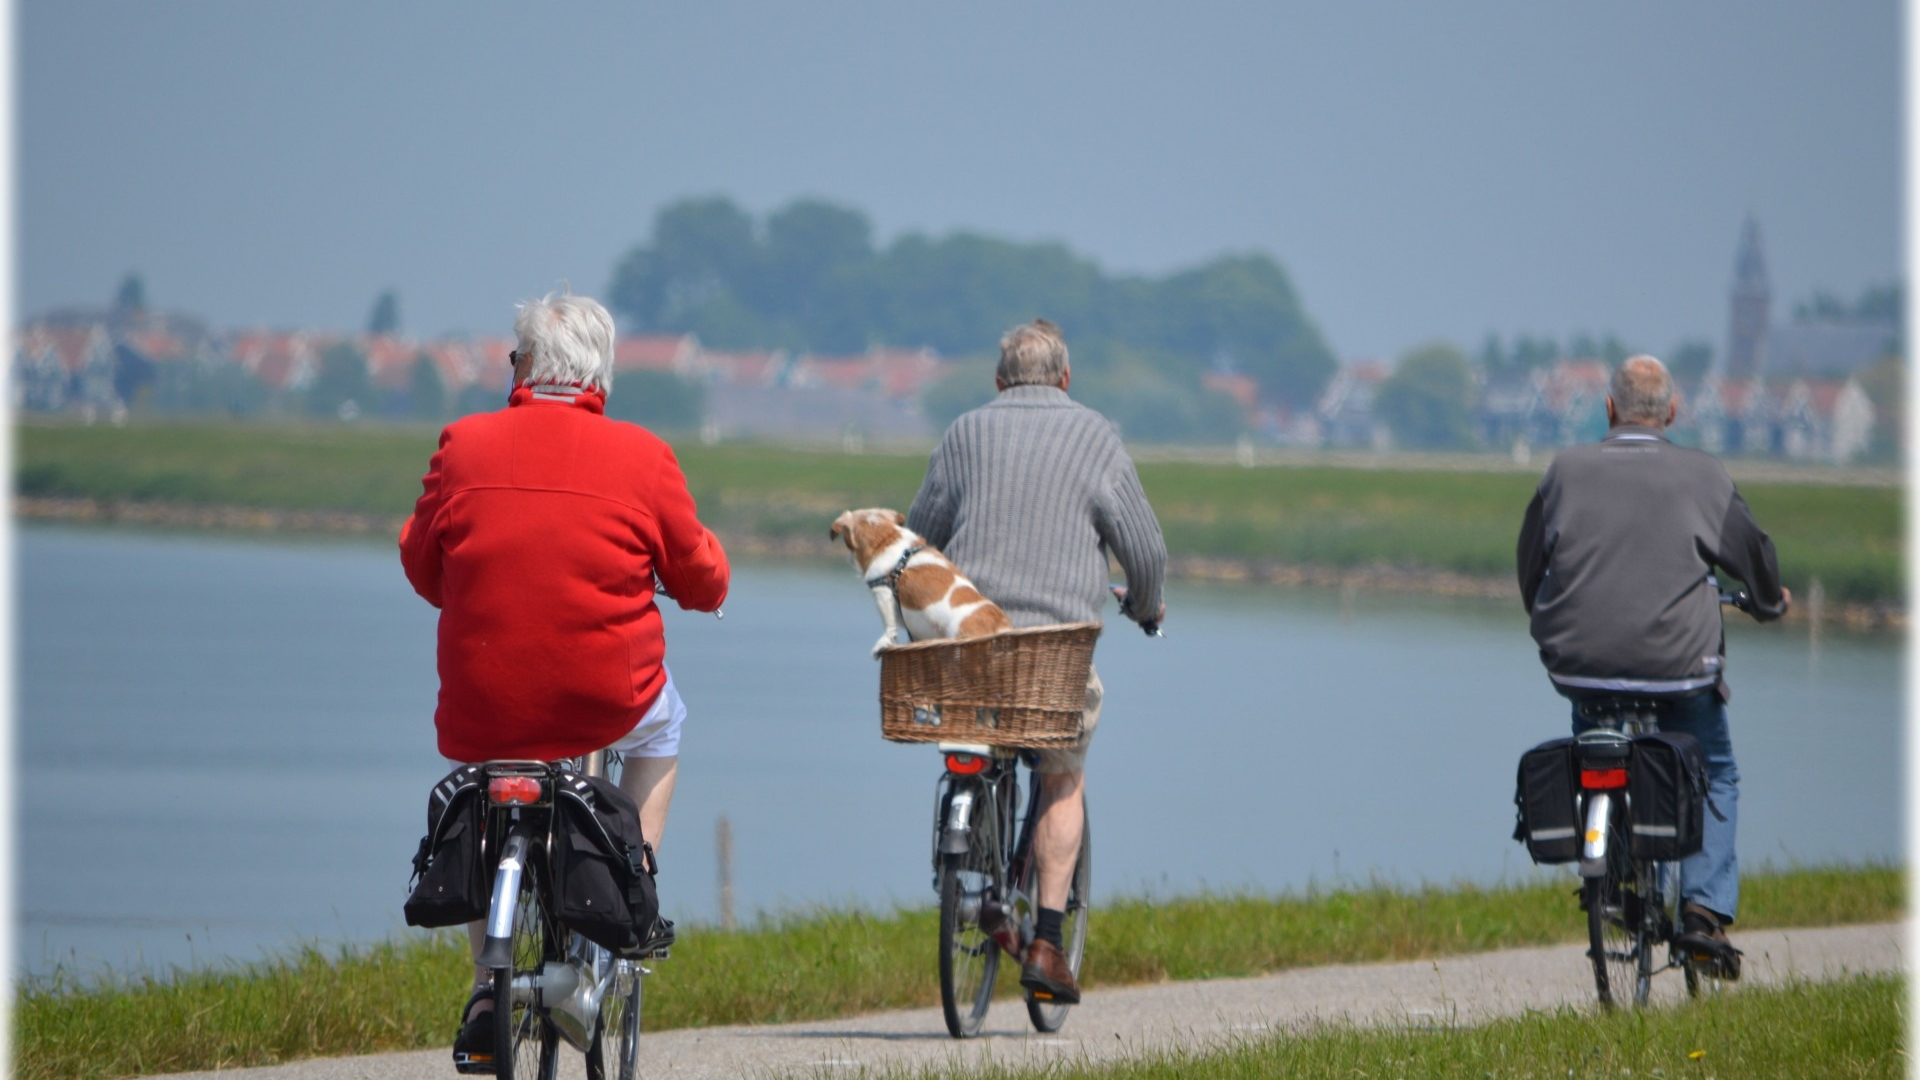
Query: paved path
[[1119, 1022]]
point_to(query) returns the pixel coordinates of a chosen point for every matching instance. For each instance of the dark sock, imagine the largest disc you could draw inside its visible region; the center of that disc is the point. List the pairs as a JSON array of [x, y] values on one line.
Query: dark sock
[[1047, 926]]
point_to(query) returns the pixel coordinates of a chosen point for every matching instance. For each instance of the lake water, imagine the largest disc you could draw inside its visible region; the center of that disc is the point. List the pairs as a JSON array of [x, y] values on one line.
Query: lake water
[[225, 747]]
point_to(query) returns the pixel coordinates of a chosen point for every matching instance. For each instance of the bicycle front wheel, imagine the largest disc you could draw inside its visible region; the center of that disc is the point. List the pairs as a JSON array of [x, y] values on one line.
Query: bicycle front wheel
[[969, 957], [526, 1046], [1046, 1015], [615, 1051], [1619, 911]]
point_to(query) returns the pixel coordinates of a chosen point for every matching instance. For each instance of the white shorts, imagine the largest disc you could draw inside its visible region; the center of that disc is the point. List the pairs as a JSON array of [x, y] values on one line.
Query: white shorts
[[657, 735], [658, 732]]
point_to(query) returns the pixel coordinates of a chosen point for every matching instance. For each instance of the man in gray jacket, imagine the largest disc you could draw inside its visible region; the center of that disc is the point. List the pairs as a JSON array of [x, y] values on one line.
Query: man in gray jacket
[[1615, 558], [1029, 493]]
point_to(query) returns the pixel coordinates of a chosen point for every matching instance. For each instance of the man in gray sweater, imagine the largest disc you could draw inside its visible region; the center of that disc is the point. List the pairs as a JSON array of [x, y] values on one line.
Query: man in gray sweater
[[1029, 494], [1615, 560]]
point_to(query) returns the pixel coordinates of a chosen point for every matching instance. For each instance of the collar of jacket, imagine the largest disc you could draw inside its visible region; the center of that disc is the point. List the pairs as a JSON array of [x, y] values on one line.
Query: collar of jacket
[[1033, 393], [556, 394], [1636, 431]]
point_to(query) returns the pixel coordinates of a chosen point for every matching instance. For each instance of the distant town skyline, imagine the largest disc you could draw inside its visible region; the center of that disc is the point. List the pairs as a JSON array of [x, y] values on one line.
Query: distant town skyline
[[1420, 173]]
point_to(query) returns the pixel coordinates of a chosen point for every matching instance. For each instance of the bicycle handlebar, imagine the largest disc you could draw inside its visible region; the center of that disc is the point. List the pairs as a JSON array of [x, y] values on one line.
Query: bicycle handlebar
[[660, 589], [1735, 598], [1149, 627]]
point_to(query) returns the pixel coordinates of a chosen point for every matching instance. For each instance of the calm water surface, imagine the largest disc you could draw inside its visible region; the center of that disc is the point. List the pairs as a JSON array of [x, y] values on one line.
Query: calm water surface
[[225, 747]]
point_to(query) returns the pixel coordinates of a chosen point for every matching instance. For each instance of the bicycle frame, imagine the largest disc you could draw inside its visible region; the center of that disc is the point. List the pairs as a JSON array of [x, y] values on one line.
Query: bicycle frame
[[1607, 741], [568, 990], [960, 801]]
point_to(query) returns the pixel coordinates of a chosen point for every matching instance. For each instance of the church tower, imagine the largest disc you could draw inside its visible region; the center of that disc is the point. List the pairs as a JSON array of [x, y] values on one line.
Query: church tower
[[1752, 296]]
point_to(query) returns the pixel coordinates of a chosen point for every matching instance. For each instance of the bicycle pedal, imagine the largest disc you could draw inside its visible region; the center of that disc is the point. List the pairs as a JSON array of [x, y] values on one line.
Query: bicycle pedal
[[474, 1065]]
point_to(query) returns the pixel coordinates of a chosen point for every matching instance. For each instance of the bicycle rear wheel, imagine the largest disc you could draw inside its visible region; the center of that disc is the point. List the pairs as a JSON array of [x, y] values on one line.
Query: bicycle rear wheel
[[1047, 1015], [615, 1051], [969, 957], [526, 1046], [1619, 914]]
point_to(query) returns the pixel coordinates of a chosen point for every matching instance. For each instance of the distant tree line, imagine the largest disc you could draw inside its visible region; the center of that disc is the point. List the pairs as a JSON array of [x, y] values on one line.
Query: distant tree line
[[810, 277]]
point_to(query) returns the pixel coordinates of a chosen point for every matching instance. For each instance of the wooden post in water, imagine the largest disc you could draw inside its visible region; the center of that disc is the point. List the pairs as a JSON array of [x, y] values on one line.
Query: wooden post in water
[[723, 848]]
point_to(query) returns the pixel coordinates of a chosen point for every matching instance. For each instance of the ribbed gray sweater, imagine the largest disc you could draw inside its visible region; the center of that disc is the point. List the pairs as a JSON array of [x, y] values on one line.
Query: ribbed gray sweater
[[1027, 494]]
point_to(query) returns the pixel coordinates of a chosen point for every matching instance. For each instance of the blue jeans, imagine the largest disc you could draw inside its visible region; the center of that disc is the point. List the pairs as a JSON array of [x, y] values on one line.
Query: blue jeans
[[1710, 877]]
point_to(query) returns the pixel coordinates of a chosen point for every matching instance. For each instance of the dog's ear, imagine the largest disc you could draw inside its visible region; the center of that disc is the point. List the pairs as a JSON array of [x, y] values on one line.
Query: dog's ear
[[839, 526], [899, 518]]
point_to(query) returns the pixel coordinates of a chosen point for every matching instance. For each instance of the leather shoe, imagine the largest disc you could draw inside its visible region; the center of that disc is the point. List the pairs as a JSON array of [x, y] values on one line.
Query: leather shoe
[[1046, 975], [1704, 940]]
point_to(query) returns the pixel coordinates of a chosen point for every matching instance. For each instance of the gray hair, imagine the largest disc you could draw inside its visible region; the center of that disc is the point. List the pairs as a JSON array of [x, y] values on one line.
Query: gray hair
[[1032, 354], [568, 340], [1642, 391]]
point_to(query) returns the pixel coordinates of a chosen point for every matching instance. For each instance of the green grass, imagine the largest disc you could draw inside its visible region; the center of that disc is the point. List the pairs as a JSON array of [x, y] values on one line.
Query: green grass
[[1842, 1029], [404, 995], [1851, 538]]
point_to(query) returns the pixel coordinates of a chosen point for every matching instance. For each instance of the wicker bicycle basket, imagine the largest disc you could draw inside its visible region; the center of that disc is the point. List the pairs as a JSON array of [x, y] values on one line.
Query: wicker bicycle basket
[[1016, 688]]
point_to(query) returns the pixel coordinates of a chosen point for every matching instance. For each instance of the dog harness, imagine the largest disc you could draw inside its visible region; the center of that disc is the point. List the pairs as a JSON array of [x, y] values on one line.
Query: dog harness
[[892, 579]]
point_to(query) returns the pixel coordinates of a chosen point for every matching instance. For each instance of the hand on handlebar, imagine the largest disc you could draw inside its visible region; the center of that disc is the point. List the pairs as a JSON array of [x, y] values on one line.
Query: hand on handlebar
[[660, 589], [1150, 627]]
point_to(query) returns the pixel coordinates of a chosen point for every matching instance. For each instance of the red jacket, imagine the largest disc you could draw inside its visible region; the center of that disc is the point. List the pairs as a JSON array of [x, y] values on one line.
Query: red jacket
[[538, 536]]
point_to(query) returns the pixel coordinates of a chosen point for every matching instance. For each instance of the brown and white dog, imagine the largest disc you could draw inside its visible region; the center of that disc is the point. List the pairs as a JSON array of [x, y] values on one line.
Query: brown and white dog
[[913, 582]]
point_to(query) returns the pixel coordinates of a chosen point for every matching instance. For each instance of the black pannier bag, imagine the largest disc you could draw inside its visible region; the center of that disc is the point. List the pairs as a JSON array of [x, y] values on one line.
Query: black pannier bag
[[449, 873], [1667, 794], [1545, 803], [602, 868]]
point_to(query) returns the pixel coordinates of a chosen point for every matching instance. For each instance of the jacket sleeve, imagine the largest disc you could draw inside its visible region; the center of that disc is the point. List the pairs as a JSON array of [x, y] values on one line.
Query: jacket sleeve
[[690, 561], [420, 553], [1531, 553], [1130, 530], [1746, 552], [932, 512]]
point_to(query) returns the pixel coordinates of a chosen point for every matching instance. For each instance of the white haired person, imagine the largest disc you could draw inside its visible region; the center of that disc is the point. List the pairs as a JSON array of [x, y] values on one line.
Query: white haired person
[[1616, 557], [1030, 492], [540, 532]]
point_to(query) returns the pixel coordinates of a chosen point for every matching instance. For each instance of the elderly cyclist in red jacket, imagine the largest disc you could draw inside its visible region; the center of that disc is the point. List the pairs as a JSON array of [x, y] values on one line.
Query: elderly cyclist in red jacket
[[540, 533]]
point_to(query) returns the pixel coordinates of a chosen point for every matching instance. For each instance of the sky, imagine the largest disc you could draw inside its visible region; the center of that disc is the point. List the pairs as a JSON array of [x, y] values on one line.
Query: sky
[[1422, 171]]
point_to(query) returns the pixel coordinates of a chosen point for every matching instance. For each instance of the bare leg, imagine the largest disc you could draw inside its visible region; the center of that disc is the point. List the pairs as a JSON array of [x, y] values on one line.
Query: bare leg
[[649, 782], [477, 937], [1056, 835]]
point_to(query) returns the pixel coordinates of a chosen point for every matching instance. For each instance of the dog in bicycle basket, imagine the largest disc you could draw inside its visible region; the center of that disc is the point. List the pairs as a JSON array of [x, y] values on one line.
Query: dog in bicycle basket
[[913, 582]]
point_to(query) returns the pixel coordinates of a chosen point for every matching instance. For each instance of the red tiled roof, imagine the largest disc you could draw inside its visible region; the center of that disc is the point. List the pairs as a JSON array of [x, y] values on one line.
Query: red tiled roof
[[1240, 388], [72, 345], [652, 352]]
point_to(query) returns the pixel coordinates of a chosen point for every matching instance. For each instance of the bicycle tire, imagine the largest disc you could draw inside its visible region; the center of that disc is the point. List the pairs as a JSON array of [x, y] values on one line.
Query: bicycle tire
[[1048, 1016], [526, 1045], [1619, 941], [969, 957], [614, 1053]]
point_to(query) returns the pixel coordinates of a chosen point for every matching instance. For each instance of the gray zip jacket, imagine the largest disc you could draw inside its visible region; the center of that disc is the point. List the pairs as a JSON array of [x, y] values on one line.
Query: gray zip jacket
[[1027, 494], [1614, 558]]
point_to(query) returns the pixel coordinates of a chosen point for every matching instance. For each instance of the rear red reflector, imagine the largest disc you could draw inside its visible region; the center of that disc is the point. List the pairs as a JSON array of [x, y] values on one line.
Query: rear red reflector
[[966, 764], [513, 790], [1603, 779]]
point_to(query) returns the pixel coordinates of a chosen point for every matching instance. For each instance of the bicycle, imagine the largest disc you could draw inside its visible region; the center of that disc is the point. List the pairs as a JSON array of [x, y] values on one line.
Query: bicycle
[[550, 984], [1632, 905], [985, 875]]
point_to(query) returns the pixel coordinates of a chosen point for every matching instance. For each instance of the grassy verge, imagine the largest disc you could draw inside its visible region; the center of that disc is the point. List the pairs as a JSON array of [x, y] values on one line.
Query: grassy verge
[[403, 995], [1845, 1029], [1296, 515]]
